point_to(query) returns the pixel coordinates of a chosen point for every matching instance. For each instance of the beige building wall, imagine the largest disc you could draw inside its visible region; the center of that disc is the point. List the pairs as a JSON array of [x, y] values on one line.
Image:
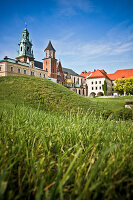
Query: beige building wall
[[95, 85], [14, 69]]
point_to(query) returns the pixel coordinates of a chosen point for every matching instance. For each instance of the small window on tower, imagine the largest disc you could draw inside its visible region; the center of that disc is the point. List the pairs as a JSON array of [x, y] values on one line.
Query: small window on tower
[[46, 54], [21, 48], [50, 54], [46, 69], [46, 62], [27, 48]]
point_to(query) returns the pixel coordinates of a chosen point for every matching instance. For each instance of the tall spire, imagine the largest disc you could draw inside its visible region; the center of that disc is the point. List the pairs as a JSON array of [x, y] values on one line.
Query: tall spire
[[25, 45]]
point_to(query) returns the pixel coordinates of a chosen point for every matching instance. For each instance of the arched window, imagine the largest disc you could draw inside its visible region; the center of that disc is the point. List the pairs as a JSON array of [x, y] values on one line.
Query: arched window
[[21, 48], [46, 62], [27, 48], [79, 92], [74, 79]]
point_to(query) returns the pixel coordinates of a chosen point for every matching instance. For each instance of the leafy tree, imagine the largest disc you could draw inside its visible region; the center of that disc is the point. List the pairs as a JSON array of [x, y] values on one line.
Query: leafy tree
[[124, 85], [104, 87], [129, 86]]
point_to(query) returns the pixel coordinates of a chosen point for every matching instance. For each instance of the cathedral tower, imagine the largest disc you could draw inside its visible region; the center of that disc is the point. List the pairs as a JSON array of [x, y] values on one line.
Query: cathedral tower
[[25, 52], [49, 62]]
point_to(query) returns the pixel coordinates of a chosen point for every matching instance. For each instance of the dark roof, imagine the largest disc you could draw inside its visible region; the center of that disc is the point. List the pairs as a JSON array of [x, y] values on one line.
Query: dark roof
[[70, 71], [38, 64], [50, 46]]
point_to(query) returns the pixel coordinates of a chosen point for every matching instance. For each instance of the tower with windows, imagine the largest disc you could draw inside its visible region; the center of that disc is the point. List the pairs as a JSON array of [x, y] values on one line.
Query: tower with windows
[[25, 52], [49, 62]]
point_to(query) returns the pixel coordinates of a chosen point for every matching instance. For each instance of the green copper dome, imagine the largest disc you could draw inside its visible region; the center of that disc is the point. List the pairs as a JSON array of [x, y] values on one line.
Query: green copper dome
[[25, 45]]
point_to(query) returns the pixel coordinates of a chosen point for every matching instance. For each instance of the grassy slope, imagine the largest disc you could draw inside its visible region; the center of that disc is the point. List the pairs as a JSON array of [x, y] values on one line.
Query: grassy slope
[[32, 91], [54, 97], [45, 155]]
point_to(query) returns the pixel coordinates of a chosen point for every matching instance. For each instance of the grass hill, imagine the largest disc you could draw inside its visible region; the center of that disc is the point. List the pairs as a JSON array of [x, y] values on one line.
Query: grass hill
[[48, 155], [50, 96]]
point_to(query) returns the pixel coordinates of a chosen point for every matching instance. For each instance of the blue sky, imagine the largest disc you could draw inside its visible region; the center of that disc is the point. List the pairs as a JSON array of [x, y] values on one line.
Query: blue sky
[[87, 34]]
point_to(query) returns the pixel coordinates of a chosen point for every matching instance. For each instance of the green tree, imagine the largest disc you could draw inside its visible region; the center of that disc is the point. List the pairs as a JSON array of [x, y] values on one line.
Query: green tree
[[128, 86], [124, 85], [104, 87]]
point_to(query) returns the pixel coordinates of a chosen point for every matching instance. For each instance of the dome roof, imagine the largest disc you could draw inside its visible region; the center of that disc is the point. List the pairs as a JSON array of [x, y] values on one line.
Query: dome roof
[[68, 80]]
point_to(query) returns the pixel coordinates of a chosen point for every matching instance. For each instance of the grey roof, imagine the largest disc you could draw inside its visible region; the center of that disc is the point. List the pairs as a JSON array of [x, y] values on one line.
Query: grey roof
[[50, 46], [38, 64], [70, 71]]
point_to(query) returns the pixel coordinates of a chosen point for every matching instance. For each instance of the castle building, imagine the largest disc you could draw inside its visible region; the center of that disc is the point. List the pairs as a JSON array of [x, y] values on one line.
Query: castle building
[[26, 65]]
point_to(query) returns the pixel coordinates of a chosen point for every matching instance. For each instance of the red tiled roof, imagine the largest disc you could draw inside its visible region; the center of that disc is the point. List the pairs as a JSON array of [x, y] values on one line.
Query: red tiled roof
[[85, 74], [98, 74], [125, 73]]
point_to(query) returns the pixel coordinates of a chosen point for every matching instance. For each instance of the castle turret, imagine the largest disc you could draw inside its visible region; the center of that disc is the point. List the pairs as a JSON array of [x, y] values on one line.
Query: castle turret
[[25, 52]]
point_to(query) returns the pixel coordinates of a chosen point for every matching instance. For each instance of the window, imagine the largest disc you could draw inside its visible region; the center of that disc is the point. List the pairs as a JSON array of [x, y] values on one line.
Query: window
[[0, 68], [99, 82], [100, 87], [24, 71], [78, 80], [81, 80], [96, 88], [83, 92], [18, 70], [43, 75], [46, 62], [27, 48], [50, 54], [46, 56], [11, 69], [95, 82], [46, 69], [40, 74], [32, 73], [79, 92], [92, 88], [21, 48], [74, 79], [92, 82], [53, 70]]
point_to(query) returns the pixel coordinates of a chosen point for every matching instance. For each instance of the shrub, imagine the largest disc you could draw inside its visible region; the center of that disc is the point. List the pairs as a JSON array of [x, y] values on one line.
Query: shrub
[[129, 103], [124, 113]]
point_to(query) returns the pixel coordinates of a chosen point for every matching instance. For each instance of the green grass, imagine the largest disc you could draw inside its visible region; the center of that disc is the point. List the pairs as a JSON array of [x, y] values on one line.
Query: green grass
[[45, 154], [114, 104]]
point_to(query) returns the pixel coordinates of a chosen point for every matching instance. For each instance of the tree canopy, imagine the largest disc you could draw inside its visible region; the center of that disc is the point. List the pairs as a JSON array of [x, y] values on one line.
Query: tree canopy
[[124, 85]]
